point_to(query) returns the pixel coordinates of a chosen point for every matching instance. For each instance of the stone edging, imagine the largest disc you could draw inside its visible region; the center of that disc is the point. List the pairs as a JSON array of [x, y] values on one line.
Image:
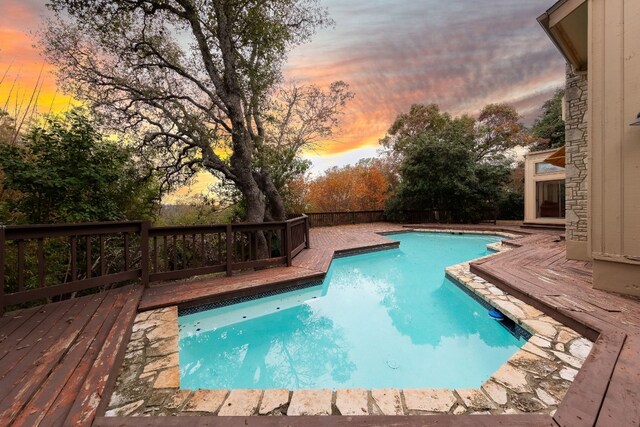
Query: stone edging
[[534, 379]]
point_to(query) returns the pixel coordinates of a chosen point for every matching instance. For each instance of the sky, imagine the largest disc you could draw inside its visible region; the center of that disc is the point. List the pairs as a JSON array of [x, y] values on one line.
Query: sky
[[460, 54]]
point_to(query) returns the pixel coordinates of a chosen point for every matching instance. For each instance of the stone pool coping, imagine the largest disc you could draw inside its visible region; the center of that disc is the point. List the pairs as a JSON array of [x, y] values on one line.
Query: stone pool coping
[[534, 379]]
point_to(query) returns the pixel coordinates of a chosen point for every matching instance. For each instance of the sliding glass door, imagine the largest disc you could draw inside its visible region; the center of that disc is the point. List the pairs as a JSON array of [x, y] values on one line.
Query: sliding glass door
[[550, 199]]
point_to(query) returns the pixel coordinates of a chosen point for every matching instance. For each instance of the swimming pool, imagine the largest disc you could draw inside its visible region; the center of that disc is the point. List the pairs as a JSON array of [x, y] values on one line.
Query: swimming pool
[[387, 319]]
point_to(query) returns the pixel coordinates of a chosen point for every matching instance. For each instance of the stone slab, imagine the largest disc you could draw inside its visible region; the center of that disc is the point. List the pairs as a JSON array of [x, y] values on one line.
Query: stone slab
[[545, 329], [534, 349], [273, 399], [565, 335], [310, 402], [352, 401], [581, 348], [532, 363], [206, 401], [570, 360], [429, 400], [388, 400], [497, 392], [163, 347], [169, 378], [546, 397], [474, 399], [240, 403], [512, 378], [177, 399], [162, 363], [125, 410]]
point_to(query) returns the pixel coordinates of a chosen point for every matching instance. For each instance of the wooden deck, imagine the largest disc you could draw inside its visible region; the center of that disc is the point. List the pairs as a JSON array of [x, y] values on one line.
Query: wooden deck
[[59, 360], [65, 384], [607, 389]]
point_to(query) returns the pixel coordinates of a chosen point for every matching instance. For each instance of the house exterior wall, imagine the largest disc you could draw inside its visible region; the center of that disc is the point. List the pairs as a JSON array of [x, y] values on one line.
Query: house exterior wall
[[614, 146], [575, 116], [530, 181]]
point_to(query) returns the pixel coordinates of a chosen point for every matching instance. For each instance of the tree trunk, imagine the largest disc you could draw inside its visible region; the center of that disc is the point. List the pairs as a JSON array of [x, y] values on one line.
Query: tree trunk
[[241, 163], [276, 210], [256, 202]]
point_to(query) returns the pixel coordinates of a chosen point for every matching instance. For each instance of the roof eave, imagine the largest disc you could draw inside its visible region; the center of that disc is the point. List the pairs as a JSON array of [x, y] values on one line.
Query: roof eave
[[545, 22]]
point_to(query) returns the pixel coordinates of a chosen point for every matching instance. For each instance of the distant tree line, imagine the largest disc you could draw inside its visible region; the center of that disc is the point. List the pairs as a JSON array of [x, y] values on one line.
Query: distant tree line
[[431, 160]]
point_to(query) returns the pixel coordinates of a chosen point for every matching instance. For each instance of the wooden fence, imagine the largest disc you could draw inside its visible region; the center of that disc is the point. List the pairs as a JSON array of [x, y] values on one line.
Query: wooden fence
[[48, 261], [325, 219]]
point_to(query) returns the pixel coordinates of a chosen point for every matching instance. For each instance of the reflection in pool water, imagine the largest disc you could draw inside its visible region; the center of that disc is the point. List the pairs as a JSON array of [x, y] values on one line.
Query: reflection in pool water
[[383, 319]]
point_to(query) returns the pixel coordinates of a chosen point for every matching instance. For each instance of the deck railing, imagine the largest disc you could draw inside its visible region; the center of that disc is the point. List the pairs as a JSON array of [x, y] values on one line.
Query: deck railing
[[50, 261], [324, 219], [327, 219]]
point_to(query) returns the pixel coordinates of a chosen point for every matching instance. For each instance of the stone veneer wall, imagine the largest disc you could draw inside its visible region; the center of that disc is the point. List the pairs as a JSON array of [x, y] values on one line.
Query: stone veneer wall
[[576, 155]]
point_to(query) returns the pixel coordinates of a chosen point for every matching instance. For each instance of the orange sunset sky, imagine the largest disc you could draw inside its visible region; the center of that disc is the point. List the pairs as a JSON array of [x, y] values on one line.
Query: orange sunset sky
[[461, 54]]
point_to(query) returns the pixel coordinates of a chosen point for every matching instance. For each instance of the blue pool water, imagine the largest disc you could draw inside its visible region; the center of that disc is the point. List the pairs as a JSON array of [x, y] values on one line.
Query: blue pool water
[[381, 319]]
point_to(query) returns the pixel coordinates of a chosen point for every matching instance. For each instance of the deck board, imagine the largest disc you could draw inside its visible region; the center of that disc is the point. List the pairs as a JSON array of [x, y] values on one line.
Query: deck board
[[620, 407], [33, 361], [60, 388], [209, 290], [30, 330], [582, 402], [523, 420], [12, 321], [109, 358], [310, 265], [55, 347]]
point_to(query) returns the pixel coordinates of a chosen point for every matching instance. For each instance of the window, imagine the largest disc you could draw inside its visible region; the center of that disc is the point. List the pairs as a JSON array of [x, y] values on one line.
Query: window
[[542, 168], [550, 199]]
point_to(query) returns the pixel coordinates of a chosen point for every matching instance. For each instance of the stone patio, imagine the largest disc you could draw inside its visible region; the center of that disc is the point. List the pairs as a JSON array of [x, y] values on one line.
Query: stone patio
[[534, 380]]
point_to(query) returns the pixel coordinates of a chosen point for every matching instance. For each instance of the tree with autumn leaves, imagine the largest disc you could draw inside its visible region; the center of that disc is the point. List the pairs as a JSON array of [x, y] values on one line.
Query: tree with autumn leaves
[[364, 186]]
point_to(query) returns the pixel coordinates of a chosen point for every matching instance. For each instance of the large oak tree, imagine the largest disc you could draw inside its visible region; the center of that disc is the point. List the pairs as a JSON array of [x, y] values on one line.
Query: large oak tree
[[193, 78]]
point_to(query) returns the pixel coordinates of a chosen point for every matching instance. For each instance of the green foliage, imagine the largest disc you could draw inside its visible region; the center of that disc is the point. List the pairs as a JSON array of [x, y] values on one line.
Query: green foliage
[[452, 164], [65, 171], [421, 118], [548, 128], [7, 129], [511, 203]]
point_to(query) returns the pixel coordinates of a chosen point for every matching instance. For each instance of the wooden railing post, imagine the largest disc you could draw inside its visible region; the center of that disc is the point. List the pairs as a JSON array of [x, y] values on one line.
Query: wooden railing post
[[2, 262], [229, 237], [287, 239], [144, 253], [307, 226]]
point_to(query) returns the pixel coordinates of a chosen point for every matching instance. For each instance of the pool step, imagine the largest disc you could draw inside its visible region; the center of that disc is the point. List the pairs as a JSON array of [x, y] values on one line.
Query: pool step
[[530, 225]]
